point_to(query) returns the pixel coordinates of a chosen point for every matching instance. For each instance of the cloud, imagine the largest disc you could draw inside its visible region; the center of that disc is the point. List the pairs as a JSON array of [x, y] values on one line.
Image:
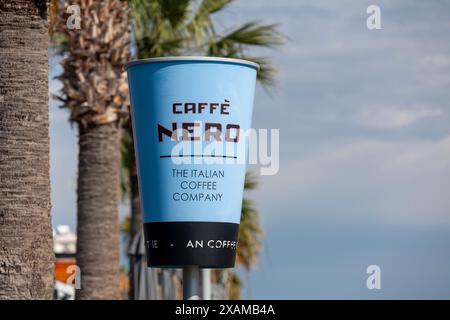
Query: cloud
[[384, 117], [387, 182], [436, 61], [365, 146]]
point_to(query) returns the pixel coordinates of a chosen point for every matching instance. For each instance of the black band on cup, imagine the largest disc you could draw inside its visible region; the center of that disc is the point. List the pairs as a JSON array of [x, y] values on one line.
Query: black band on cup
[[203, 244]]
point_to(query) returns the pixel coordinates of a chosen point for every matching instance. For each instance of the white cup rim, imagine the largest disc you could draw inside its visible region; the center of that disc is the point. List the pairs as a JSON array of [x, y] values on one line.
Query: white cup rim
[[192, 58]]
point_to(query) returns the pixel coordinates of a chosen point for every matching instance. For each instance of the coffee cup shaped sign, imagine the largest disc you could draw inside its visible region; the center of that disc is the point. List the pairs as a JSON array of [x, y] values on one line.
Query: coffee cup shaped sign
[[189, 115]]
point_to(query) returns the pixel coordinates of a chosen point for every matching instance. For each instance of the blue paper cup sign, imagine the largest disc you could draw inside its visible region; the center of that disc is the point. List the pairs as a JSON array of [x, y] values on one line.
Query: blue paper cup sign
[[189, 117]]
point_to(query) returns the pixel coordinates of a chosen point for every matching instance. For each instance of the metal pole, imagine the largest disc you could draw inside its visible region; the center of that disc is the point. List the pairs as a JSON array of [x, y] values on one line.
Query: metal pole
[[206, 284], [191, 283]]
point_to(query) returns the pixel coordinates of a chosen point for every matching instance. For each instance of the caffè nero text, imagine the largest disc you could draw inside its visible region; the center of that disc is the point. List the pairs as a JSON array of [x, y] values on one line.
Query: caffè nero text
[[196, 131]]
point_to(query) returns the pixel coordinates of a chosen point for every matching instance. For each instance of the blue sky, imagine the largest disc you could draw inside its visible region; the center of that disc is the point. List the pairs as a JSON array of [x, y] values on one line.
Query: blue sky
[[364, 123]]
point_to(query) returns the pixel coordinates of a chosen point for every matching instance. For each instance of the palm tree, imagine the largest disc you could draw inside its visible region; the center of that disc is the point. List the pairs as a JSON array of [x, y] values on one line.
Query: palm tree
[[186, 27], [164, 28], [250, 232], [95, 92], [26, 246]]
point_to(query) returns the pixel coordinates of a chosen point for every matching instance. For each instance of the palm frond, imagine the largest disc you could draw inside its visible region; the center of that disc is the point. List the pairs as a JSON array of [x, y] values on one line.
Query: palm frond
[[174, 11], [250, 236], [250, 181], [125, 164], [250, 34], [267, 73], [237, 43], [250, 232], [157, 26], [235, 286], [201, 26], [209, 7]]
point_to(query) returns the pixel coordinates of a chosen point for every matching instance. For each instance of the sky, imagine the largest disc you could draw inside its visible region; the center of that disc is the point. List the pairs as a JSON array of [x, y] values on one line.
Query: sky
[[364, 175]]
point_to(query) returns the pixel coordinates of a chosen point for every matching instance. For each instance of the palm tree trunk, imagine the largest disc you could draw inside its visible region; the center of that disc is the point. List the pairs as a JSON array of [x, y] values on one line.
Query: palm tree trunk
[[26, 246], [136, 216], [98, 200]]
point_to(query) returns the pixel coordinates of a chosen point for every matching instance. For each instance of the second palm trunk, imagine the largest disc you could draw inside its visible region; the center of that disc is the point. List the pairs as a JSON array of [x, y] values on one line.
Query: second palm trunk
[[98, 227]]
